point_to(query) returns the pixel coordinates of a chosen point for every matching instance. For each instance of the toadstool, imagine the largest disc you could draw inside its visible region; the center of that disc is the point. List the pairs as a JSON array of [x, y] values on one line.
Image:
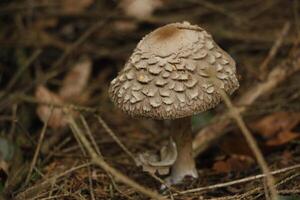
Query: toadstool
[[175, 72]]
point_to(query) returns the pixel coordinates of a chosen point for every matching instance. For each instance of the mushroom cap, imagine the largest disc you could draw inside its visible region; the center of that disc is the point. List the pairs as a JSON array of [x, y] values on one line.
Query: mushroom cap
[[175, 71]]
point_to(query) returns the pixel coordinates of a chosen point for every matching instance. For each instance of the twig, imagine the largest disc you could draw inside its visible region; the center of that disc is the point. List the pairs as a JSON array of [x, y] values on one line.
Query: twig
[[292, 191], [273, 51], [23, 68], [88, 168], [37, 150], [89, 133], [91, 184], [56, 149], [239, 181], [101, 163], [33, 100], [94, 143], [116, 139], [211, 133], [252, 143], [256, 189], [285, 180]]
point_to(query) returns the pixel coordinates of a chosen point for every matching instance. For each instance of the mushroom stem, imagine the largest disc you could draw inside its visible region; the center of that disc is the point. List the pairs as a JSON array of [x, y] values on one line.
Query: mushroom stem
[[185, 163]]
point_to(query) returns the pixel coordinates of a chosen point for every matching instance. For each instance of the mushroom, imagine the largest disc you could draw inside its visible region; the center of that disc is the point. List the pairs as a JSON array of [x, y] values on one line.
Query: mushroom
[[175, 72]]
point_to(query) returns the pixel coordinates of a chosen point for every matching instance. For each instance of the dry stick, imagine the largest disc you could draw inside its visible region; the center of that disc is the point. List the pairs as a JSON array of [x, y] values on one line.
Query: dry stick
[[285, 180], [56, 149], [239, 181], [265, 186], [37, 150], [97, 150], [23, 68], [88, 168], [101, 163], [252, 143], [273, 51], [116, 139], [256, 189], [91, 184], [89, 133], [211, 133], [52, 188], [291, 191]]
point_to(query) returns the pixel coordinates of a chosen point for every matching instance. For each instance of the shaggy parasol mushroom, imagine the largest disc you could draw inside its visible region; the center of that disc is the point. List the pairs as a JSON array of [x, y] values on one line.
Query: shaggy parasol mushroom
[[175, 71]]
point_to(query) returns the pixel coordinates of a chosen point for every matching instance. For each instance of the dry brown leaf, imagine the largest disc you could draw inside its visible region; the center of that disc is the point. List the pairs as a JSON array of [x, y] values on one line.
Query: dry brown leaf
[[75, 6], [234, 163], [282, 138], [75, 81], [57, 118], [235, 144], [287, 157], [276, 123], [125, 25], [140, 9]]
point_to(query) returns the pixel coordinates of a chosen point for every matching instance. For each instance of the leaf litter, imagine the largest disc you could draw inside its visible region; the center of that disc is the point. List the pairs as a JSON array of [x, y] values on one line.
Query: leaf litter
[[64, 22]]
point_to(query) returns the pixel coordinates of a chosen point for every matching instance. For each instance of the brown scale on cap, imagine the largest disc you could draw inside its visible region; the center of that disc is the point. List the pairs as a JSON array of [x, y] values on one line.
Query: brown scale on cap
[[175, 71], [165, 32]]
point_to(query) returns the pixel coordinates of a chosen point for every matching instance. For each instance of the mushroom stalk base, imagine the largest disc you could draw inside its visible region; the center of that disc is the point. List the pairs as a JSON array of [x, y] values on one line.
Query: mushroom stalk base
[[185, 164]]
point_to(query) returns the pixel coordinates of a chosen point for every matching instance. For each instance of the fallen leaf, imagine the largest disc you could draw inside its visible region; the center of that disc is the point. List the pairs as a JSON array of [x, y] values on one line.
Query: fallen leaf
[[140, 9], [233, 163], [76, 80], [235, 144], [125, 25], [56, 116], [287, 157], [275, 123], [282, 138], [76, 7], [221, 167]]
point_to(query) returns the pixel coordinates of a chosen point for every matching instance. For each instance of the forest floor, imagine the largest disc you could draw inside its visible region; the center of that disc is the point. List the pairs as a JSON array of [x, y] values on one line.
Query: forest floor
[[58, 58]]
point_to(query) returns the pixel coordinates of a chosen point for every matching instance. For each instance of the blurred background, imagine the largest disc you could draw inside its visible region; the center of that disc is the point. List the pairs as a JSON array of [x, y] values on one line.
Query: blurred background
[[66, 52]]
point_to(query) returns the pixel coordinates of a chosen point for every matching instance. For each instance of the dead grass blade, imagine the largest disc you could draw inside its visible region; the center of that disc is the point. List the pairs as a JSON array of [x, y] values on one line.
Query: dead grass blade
[[252, 143], [105, 166], [239, 181], [38, 147], [116, 139]]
